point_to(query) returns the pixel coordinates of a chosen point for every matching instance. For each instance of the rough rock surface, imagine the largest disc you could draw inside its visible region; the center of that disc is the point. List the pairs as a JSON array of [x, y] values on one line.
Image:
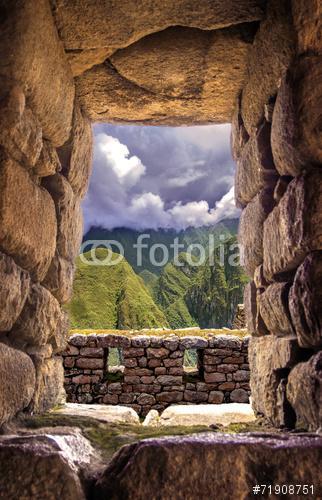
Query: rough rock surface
[[76, 155], [307, 18], [177, 76], [304, 391], [250, 231], [270, 359], [41, 320], [273, 309], [17, 375], [14, 289], [255, 166], [274, 47], [103, 413], [92, 31], [27, 219], [59, 278], [49, 389], [43, 466], [305, 301], [208, 472], [293, 228], [30, 35], [223, 414]]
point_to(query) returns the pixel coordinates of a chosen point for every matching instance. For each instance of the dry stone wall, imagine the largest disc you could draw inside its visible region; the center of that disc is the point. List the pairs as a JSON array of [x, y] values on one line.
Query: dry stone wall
[[277, 144], [154, 375]]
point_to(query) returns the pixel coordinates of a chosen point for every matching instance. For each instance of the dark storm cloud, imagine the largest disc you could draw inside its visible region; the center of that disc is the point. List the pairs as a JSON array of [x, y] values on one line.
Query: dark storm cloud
[[146, 177]]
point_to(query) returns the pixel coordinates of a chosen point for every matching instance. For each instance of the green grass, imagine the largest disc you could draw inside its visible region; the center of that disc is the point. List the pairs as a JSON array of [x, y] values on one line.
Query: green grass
[[111, 297]]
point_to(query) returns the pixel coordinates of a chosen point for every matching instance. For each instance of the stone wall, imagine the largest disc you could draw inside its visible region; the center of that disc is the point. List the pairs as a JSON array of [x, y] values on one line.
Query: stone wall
[[153, 374], [277, 144], [45, 163]]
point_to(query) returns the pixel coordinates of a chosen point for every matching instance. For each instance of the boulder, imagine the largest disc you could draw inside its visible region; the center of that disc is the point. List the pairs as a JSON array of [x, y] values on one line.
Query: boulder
[[305, 301], [28, 224], [20, 132], [296, 137], [255, 166], [49, 384], [76, 155], [59, 278], [213, 457], [239, 396], [17, 375], [41, 321], [293, 228], [102, 413], [193, 342], [174, 77], [69, 216], [14, 289], [97, 30], [304, 392], [270, 359], [274, 47], [250, 232], [48, 162], [273, 309], [44, 466]]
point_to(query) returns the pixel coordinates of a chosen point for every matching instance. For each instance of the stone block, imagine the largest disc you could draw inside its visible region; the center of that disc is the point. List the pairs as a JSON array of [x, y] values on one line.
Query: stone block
[[270, 358], [305, 301], [76, 155], [157, 353], [30, 35], [293, 228], [115, 341], [216, 397], [49, 385], [14, 289], [170, 397], [28, 224], [304, 392], [48, 162], [59, 278], [20, 132], [193, 342], [250, 232], [69, 216], [296, 135], [255, 167], [146, 399], [307, 19], [133, 352], [17, 374], [273, 309], [90, 363], [140, 341], [195, 397], [169, 380], [211, 378], [41, 321], [239, 135], [274, 47], [92, 352]]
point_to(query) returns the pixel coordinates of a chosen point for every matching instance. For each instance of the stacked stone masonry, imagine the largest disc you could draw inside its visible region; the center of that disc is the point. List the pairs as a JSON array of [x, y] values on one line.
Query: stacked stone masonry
[[64, 65], [154, 375]]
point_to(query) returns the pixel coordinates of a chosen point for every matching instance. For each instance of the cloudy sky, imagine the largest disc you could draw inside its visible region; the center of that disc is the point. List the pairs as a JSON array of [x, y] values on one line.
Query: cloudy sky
[[152, 177]]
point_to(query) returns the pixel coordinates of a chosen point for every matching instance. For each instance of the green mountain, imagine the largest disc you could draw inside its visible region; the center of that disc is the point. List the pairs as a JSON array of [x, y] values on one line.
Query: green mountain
[[129, 237], [111, 297]]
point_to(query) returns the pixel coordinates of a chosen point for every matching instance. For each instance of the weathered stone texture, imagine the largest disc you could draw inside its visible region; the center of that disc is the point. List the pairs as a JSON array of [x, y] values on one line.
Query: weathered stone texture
[[304, 391], [250, 232], [208, 472], [177, 76], [272, 53], [20, 132], [76, 154], [270, 358], [49, 389], [59, 278], [27, 219], [297, 118], [17, 375], [307, 18], [255, 166], [305, 301], [97, 30], [69, 216], [29, 35], [41, 321], [48, 162], [14, 289], [293, 228], [273, 308]]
